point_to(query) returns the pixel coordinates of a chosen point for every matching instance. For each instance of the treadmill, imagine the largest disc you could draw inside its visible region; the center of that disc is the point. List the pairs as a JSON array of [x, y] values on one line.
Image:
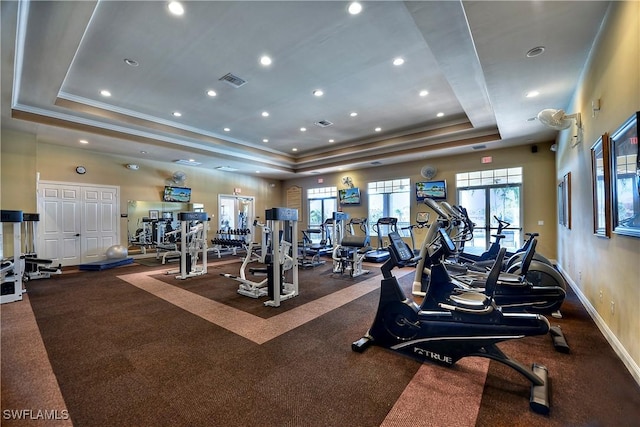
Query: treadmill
[[382, 227]]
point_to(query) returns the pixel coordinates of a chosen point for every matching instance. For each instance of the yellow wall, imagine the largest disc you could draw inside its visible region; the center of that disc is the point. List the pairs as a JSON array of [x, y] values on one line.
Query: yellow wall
[[598, 265], [23, 158], [538, 192]]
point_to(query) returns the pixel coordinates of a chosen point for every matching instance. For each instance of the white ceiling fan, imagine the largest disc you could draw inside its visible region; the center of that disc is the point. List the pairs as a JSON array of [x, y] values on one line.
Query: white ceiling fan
[[428, 171], [559, 120], [178, 179]]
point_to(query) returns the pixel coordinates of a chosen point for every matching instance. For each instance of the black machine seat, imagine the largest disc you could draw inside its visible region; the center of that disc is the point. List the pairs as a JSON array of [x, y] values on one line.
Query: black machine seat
[[355, 241]]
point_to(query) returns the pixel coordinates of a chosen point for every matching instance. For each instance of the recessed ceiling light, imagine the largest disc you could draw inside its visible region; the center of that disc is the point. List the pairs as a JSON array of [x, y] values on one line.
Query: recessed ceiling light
[[355, 8], [536, 51], [532, 94], [177, 114], [353, 114], [131, 62], [265, 60], [398, 61], [424, 93], [83, 141], [105, 92], [227, 129], [257, 171], [143, 152], [331, 141], [211, 92], [265, 140], [175, 7], [440, 114], [378, 129], [318, 92], [294, 149], [265, 114], [303, 129]]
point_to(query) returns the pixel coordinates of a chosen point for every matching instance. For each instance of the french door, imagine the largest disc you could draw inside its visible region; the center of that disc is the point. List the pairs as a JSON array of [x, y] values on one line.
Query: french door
[[483, 203], [78, 223]]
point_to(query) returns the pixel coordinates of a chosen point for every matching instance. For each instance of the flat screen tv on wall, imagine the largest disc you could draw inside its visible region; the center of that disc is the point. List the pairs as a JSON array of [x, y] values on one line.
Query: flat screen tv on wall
[[349, 196], [176, 194], [436, 190]]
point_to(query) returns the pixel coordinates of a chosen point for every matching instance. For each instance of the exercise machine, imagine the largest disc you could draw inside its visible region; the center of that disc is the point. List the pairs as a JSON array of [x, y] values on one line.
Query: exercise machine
[[450, 325], [193, 245], [34, 267], [311, 252], [422, 219], [12, 269], [283, 220], [389, 224], [251, 288], [350, 253], [534, 287]]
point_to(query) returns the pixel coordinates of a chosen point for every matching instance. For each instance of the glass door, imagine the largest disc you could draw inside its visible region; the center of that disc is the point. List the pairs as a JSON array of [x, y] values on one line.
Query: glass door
[[486, 203]]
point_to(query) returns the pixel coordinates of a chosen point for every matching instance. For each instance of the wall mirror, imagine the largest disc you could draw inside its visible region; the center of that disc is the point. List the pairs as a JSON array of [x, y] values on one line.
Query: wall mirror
[[235, 213], [625, 185], [601, 175], [148, 221]]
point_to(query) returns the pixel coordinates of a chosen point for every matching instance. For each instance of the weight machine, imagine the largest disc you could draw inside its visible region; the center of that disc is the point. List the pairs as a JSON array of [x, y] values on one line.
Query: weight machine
[[349, 254], [247, 287], [278, 289], [193, 245], [12, 270], [34, 267]]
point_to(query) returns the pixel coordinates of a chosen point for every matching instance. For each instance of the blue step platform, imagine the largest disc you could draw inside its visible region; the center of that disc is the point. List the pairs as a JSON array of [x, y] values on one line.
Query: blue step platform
[[105, 264]]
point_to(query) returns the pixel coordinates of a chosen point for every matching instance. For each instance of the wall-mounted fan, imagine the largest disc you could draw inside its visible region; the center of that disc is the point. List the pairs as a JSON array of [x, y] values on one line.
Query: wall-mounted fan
[[347, 182], [557, 119], [428, 171], [178, 179]]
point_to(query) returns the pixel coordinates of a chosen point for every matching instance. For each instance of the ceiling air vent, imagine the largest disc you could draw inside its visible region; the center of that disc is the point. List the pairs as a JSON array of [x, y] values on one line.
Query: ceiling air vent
[[234, 81], [323, 123], [376, 163], [479, 147]]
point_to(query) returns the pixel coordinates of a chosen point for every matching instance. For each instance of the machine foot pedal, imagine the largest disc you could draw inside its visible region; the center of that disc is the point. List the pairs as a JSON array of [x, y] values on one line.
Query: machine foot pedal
[[539, 400], [361, 345], [559, 341]]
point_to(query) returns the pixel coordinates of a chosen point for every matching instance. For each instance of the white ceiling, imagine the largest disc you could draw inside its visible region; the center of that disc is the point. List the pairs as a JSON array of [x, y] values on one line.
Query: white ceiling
[[471, 56]]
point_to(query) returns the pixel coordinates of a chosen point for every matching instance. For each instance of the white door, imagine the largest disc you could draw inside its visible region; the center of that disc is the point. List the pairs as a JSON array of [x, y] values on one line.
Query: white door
[[77, 223], [99, 222], [59, 226]]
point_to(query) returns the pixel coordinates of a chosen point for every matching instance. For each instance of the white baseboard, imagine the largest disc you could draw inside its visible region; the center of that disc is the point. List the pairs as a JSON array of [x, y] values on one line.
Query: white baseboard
[[613, 341]]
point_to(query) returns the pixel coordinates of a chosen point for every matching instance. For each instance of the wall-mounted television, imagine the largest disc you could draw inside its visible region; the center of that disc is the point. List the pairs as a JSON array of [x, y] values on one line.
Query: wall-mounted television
[[436, 190], [349, 196], [176, 194]]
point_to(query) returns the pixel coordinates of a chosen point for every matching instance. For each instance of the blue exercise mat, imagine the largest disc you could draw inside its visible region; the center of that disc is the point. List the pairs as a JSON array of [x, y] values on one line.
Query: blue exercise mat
[[105, 264]]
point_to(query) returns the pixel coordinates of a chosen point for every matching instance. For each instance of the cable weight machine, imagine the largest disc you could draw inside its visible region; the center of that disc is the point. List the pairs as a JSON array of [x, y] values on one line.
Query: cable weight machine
[[282, 221]]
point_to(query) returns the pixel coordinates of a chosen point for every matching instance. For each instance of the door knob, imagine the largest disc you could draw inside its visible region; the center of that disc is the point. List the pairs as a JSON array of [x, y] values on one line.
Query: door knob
[[77, 234]]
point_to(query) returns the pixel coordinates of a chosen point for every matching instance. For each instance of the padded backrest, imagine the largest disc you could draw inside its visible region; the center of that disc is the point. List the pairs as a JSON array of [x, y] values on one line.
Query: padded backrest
[[494, 274]]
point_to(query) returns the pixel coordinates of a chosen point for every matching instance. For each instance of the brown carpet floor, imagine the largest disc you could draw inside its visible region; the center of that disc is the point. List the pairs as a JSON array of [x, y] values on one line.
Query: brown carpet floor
[[125, 356]]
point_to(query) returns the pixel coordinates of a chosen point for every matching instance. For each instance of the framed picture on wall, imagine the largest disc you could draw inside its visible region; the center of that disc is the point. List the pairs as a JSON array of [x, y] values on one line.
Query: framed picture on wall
[[625, 178], [154, 214], [601, 176], [566, 195]]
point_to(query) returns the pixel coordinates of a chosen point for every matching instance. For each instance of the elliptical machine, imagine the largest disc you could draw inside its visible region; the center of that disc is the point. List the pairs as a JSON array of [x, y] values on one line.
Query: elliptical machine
[[450, 325], [534, 287]]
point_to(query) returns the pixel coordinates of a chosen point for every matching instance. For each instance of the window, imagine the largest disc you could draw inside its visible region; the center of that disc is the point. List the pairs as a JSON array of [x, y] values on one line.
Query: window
[[488, 194], [322, 204], [389, 199]]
